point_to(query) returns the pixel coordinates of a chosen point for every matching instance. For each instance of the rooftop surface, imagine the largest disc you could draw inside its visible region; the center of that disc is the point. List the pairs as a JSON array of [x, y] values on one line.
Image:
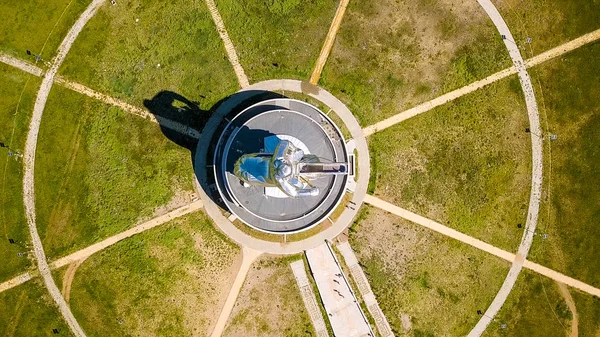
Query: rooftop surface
[[254, 131]]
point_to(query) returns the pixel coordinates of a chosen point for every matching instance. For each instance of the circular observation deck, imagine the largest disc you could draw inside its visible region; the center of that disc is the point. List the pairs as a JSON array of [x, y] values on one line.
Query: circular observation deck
[[258, 129]]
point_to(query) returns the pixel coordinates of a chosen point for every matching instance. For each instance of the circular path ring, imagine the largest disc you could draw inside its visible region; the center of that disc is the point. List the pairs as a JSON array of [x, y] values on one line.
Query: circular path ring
[[347, 216]]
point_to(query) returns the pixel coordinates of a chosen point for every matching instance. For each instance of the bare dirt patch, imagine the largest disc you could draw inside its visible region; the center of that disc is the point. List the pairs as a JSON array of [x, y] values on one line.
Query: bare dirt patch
[[68, 279], [269, 303], [408, 267], [171, 280], [391, 55]]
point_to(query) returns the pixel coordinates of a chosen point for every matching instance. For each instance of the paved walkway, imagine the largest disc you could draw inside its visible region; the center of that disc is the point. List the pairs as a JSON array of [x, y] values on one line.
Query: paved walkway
[[249, 256], [82, 89], [309, 298], [452, 95], [229, 48], [328, 44], [347, 215], [563, 49], [486, 247], [29, 165], [88, 251], [359, 277], [536, 168], [344, 312]]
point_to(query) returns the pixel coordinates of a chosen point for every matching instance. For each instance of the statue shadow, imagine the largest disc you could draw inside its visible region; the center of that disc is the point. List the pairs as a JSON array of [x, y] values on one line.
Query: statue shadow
[[176, 113]]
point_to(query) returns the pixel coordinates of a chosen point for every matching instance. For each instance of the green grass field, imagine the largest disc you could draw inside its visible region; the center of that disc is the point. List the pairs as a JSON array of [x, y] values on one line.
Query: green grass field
[[120, 56], [588, 309], [548, 23], [28, 310], [568, 89], [408, 268], [17, 93], [279, 38], [465, 164], [534, 307], [100, 170], [390, 55], [37, 25], [169, 281], [269, 303]]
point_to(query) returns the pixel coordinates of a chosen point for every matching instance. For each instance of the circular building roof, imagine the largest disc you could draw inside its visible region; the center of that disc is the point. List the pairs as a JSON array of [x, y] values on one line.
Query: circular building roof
[[258, 129]]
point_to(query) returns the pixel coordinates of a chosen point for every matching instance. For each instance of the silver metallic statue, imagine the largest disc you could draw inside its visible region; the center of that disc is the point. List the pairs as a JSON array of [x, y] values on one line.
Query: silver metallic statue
[[288, 168]]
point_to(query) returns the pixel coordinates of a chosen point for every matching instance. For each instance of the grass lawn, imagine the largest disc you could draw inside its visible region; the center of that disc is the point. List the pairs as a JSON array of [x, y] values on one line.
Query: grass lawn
[[278, 38], [568, 89], [37, 25], [465, 164], [535, 307], [548, 23], [28, 310], [391, 55], [100, 170], [168, 281], [138, 48], [588, 309], [408, 268], [269, 303], [17, 93]]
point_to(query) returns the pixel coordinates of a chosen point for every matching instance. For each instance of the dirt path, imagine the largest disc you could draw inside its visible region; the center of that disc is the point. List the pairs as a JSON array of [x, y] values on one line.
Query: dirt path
[[564, 291], [415, 218], [82, 89], [249, 256], [29, 165], [96, 247], [68, 279], [452, 95], [15, 281], [486, 247], [229, 48], [88, 251], [328, 44], [23, 65]]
